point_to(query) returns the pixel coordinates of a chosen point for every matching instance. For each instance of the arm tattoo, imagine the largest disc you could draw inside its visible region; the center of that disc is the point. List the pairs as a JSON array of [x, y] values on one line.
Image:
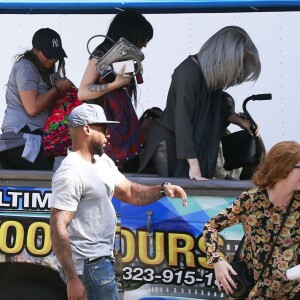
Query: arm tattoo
[[145, 194], [60, 240], [138, 194], [94, 88]]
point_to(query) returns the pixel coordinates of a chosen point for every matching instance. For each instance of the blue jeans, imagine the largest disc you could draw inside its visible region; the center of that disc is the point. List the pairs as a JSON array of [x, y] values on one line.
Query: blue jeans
[[99, 280]]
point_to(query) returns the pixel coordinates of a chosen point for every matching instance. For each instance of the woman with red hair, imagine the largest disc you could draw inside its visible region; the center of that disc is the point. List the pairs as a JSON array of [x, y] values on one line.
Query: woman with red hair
[[261, 212]]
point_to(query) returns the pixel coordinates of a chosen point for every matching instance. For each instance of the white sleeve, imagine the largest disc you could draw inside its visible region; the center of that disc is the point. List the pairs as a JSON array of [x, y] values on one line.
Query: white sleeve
[[67, 189], [118, 176]]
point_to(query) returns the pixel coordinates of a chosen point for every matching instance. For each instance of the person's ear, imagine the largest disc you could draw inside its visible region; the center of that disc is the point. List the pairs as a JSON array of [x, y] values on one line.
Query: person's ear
[[86, 129]]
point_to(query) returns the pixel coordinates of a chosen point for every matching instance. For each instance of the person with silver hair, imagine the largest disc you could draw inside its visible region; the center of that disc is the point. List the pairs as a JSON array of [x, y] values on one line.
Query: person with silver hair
[[184, 141]]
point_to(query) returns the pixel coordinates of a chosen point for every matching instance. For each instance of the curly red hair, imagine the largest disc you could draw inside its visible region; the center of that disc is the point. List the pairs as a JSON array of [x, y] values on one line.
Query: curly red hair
[[277, 164]]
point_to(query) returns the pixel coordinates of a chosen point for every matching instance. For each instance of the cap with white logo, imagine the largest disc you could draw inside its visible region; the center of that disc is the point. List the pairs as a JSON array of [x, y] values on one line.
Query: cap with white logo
[[49, 42]]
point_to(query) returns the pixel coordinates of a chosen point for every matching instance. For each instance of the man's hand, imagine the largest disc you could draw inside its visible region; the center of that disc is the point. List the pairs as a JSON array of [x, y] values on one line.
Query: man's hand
[[241, 121], [175, 191], [246, 124], [76, 289]]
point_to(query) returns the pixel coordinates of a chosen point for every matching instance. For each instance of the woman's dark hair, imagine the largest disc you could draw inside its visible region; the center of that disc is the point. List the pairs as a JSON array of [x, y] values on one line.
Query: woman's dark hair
[[44, 72], [131, 25]]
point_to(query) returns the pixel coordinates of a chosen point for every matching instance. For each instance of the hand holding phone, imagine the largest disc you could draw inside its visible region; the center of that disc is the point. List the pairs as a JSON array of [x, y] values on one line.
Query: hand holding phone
[[54, 78], [129, 66]]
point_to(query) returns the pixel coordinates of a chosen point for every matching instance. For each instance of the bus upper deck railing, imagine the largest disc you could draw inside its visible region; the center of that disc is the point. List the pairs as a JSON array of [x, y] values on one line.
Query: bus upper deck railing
[[215, 187]]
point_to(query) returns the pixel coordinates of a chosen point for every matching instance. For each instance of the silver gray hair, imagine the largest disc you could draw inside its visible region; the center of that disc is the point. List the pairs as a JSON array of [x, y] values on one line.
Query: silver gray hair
[[229, 58]]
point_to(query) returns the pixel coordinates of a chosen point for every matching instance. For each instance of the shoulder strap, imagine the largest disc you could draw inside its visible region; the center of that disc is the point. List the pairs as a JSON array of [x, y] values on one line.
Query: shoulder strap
[[238, 250], [273, 246], [274, 243]]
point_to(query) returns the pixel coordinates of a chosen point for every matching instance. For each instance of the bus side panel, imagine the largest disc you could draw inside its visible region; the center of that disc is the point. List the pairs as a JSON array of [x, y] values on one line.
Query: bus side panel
[[163, 250], [24, 225]]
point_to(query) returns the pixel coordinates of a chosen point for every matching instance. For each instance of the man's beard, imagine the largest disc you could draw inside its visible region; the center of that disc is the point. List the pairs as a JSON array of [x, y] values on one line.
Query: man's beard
[[97, 148]]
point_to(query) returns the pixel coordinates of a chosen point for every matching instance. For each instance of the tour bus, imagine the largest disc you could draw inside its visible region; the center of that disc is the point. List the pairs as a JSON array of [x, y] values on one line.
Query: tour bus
[[159, 248]]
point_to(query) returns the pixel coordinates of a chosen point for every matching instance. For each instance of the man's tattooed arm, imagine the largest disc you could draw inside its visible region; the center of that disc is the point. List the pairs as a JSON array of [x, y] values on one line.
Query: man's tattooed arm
[[59, 221], [94, 88], [138, 194]]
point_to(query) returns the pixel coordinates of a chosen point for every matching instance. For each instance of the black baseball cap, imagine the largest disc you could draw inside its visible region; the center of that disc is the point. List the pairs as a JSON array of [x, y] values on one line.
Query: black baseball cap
[[49, 42]]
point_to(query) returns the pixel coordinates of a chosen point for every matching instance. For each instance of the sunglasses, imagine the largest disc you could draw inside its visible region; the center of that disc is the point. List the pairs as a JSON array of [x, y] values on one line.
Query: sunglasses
[[103, 128], [296, 167]]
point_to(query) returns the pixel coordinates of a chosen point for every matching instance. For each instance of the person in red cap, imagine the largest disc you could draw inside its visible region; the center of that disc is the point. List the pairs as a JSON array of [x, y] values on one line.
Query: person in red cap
[[28, 98]]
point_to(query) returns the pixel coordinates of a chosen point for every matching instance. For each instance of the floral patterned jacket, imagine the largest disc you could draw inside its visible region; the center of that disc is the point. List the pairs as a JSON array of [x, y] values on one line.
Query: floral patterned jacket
[[261, 221]]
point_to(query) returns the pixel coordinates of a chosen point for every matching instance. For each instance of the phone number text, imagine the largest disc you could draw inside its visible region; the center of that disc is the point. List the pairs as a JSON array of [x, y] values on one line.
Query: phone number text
[[167, 276]]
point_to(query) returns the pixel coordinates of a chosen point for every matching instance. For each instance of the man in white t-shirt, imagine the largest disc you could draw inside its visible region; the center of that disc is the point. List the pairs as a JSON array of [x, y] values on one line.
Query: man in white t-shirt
[[83, 219]]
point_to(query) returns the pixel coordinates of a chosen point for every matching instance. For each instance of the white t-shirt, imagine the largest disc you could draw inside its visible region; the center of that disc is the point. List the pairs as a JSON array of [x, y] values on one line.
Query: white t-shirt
[[87, 189]]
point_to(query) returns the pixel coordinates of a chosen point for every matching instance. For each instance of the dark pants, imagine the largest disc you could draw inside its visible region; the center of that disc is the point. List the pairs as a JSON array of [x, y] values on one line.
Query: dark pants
[[12, 159]]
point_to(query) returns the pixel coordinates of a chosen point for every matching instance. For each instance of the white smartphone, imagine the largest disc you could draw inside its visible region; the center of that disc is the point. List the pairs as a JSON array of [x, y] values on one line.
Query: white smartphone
[[128, 69]]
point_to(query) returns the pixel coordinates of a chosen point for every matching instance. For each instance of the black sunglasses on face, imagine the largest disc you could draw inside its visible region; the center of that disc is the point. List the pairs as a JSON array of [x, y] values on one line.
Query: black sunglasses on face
[[297, 167], [103, 128]]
